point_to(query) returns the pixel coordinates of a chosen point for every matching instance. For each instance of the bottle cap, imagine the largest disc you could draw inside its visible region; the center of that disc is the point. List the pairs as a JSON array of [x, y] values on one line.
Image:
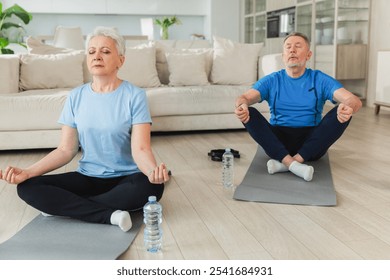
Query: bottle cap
[[152, 198], [227, 150]]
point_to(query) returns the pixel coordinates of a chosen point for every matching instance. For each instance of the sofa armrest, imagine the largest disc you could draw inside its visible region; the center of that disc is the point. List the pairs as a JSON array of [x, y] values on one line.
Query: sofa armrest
[[9, 69], [270, 63]]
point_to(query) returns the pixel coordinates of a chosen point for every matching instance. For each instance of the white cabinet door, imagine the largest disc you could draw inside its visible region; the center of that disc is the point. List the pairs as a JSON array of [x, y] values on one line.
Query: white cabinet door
[[382, 80], [273, 5]]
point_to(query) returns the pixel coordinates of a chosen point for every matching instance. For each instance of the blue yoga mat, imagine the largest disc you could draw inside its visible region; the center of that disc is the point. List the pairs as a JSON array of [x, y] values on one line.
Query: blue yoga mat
[[287, 188]]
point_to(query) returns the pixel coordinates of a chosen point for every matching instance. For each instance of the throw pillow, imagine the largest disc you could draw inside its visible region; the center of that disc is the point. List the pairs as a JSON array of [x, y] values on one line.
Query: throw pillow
[[9, 69], [187, 69], [51, 71], [234, 63], [35, 46], [161, 61], [162, 64], [140, 66]]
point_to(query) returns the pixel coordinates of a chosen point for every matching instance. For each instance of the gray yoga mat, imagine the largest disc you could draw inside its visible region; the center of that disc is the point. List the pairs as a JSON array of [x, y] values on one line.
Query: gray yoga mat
[[60, 238], [287, 188]]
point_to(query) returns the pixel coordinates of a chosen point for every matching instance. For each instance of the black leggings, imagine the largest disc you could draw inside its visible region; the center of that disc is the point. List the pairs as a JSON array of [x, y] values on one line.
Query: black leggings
[[87, 198], [310, 142]]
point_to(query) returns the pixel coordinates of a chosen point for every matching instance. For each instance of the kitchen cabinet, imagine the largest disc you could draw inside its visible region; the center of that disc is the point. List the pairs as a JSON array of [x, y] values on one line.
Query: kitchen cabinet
[[273, 5], [338, 31], [341, 41], [254, 21], [304, 17], [351, 62]]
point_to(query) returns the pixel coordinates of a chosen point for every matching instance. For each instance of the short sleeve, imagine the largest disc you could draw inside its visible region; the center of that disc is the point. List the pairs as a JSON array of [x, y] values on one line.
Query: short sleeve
[[265, 84], [67, 115], [140, 108], [328, 86]]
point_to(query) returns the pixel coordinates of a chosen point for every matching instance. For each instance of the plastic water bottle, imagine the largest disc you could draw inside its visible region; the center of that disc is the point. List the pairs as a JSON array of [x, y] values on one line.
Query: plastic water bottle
[[228, 169], [152, 220]]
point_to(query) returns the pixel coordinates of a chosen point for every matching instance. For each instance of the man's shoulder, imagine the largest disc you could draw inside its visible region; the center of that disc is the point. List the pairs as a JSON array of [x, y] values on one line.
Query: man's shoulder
[[275, 75], [319, 73]]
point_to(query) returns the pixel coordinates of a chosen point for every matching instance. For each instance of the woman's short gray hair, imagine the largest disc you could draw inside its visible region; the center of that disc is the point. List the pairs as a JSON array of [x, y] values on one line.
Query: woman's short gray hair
[[108, 32]]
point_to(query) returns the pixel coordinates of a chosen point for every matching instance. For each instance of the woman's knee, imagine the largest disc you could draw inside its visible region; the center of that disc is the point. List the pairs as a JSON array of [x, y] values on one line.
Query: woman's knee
[[150, 189], [132, 193], [25, 190], [160, 192]]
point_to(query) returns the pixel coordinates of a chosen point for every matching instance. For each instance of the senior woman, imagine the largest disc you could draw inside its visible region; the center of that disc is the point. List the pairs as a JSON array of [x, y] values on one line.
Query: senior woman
[[109, 119]]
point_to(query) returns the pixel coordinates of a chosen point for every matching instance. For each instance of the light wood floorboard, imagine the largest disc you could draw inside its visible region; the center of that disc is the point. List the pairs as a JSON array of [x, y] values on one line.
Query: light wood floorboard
[[202, 221]]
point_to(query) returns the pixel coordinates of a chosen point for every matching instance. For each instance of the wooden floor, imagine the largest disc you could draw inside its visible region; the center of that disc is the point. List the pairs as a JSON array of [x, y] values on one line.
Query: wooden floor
[[201, 222]]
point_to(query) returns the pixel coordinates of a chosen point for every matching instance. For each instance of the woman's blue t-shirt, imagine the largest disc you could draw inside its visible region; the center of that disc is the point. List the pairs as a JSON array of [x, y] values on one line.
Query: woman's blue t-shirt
[[296, 102], [103, 123]]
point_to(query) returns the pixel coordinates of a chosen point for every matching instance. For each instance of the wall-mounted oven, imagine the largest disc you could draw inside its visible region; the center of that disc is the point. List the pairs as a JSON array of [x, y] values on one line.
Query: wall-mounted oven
[[280, 22]]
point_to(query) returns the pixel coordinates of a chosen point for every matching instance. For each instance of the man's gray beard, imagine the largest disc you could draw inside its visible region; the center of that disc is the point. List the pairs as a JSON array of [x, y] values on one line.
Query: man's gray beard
[[292, 65]]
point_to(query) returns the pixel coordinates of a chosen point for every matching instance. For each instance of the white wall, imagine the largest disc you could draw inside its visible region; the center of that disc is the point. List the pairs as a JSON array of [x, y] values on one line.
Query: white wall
[[379, 40], [44, 24], [134, 7], [225, 19], [207, 17]]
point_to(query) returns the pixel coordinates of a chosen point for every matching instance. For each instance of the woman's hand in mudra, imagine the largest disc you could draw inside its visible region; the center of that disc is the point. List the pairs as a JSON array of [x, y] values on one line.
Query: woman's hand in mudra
[[14, 175], [159, 174]]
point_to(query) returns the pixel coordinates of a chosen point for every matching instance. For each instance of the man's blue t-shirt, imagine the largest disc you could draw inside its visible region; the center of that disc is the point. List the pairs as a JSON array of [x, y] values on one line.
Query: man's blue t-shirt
[[296, 102], [103, 123]]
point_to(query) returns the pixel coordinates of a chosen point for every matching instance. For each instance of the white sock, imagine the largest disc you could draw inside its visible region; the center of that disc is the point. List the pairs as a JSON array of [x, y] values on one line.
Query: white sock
[[122, 219], [302, 170], [46, 215], [275, 166]]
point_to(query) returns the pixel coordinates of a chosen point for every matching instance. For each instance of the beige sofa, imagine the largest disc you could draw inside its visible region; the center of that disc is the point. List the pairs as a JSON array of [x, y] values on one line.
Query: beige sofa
[[190, 85]]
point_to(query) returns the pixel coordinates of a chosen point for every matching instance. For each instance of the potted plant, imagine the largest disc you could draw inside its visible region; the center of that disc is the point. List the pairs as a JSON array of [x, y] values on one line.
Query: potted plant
[[165, 23], [20, 13]]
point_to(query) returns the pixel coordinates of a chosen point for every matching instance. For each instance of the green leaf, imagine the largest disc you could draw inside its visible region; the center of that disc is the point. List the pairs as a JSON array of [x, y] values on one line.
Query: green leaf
[[3, 42], [166, 22], [7, 51], [10, 24], [19, 12]]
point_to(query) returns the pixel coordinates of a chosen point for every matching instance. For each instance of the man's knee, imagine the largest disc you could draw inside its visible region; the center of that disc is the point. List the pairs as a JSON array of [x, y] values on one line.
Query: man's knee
[[253, 110]]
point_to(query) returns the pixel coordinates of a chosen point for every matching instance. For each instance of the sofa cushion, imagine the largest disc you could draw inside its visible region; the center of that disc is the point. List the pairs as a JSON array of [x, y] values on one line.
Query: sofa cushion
[[235, 63], [140, 66], [194, 100], [9, 77], [270, 63], [63, 70], [187, 69], [32, 110], [162, 48], [34, 46]]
